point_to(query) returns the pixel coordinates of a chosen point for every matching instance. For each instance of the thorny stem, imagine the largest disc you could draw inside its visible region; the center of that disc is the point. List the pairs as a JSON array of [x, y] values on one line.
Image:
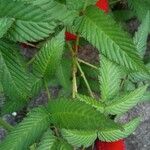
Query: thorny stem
[[5, 125], [74, 66], [74, 80], [88, 64], [85, 80]]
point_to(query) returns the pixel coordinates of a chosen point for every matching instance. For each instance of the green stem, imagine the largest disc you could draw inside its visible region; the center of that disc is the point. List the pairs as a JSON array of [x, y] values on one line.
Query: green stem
[[88, 64], [74, 70], [85, 80], [74, 80], [30, 61], [5, 125], [47, 90]]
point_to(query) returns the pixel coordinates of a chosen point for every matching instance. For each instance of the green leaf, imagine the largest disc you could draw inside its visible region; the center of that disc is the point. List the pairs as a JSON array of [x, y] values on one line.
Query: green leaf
[[140, 7], [51, 142], [28, 131], [48, 141], [92, 102], [146, 97], [103, 33], [110, 79], [5, 24], [122, 104], [63, 74], [12, 73], [123, 15], [12, 105], [79, 138], [114, 135], [31, 23], [79, 4], [140, 76], [141, 35], [48, 58], [62, 145], [78, 115], [51, 7]]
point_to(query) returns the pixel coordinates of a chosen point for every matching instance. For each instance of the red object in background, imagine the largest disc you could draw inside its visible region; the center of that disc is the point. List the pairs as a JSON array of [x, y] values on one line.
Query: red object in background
[[101, 4], [24, 45], [118, 145], [70, 36]]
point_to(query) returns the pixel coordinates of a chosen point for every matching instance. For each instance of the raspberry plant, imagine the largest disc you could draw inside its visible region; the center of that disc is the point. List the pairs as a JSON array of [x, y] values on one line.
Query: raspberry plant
[[76, 118]]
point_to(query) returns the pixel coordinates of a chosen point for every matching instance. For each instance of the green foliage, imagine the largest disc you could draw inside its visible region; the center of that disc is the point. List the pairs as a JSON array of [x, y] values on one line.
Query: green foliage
[[113, 135], [48, 141], [79, 138], [5, 24], [140, 7], [12, 105], [30, 21], [109, 79], [123, 15], [12, 74], [125, 102], [79, 4], [63, 145], [63, 74], [48, 59], [78, 115], [51, 7], [140, 38], [116, 84], [103, 33], [36, 123], [92, 102]]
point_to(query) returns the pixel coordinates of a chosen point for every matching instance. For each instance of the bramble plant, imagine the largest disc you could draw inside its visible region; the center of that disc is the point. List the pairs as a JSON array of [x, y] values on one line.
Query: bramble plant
[[93, 96]]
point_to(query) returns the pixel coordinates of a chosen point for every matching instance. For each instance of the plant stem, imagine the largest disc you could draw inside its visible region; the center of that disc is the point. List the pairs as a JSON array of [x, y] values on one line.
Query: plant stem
[[30, 61], [88, 64], [74, 80], [74, 69], [47, 90], [85, 80], [5, 125]]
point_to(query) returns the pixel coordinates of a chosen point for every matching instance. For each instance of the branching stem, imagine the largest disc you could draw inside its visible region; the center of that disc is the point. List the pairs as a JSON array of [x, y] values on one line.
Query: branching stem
[[85, 80], [86, 63]]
